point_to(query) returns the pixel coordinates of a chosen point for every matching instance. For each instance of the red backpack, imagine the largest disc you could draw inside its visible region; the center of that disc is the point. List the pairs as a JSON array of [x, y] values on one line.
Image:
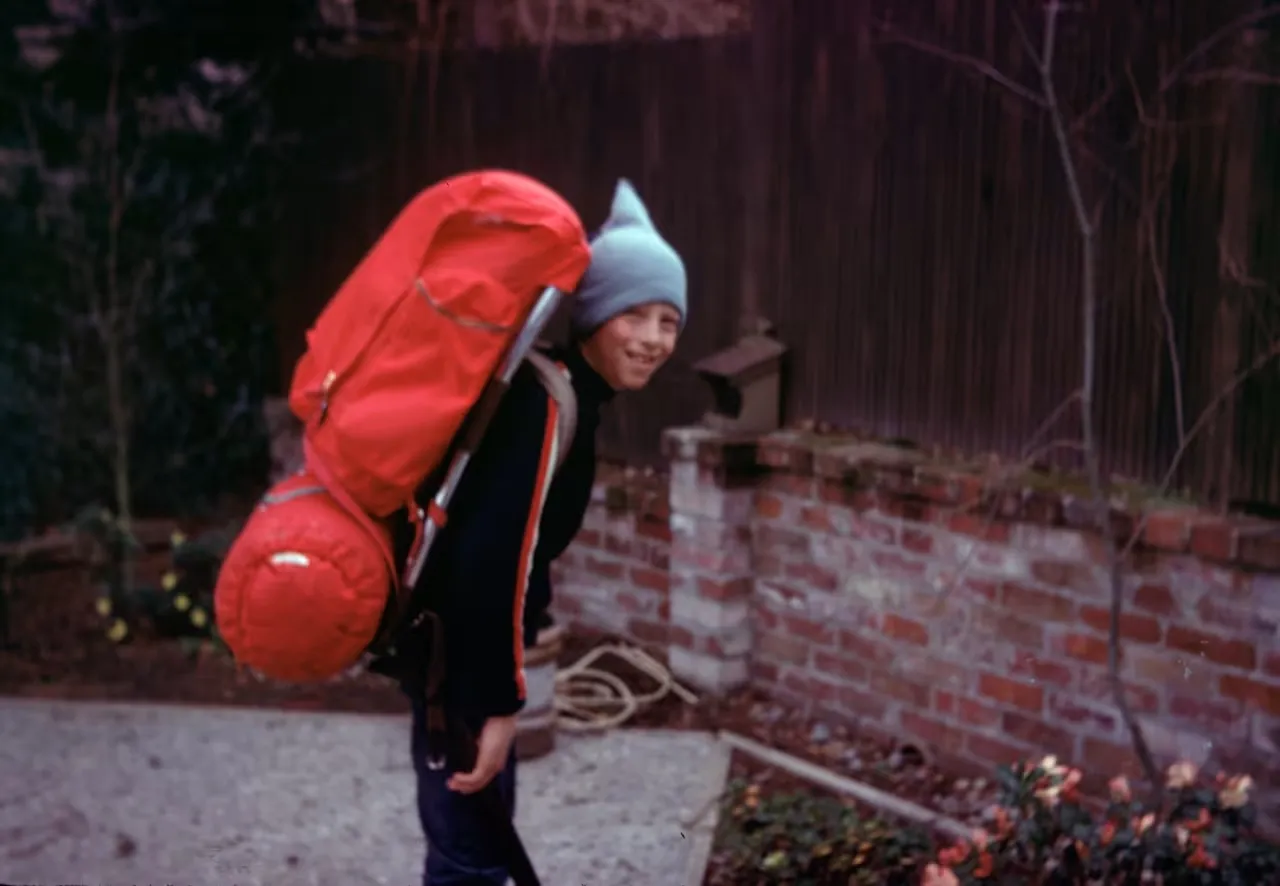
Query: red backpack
[[422, 337]]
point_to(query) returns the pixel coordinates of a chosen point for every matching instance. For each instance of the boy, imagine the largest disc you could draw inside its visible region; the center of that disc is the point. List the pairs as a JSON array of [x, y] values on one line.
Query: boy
[[488, 572]]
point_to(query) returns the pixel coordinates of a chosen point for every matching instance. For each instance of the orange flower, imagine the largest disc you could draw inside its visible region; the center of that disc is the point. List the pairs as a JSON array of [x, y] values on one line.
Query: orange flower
[[1107, 834], [1070, 784], [1201, 859], [1120, 790]]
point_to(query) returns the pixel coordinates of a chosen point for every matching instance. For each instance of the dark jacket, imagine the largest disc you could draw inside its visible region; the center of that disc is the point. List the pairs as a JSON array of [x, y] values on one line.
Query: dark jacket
[[488, 574]]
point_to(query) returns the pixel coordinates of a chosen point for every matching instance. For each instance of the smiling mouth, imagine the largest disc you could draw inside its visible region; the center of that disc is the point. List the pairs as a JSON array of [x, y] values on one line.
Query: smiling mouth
[[643, 362]]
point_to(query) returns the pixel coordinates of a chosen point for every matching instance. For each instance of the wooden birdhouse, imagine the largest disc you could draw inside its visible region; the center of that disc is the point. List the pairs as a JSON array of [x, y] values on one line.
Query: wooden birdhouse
[[746, 384]]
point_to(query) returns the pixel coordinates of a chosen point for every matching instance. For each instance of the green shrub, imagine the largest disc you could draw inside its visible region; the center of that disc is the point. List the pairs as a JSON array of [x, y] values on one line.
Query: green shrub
[[180, 605], [813, 839], [1202, 834], [1041, 833]]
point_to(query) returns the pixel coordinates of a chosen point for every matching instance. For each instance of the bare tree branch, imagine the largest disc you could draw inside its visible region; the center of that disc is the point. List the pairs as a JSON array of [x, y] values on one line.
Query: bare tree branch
[[1257, 17], [890, 35]]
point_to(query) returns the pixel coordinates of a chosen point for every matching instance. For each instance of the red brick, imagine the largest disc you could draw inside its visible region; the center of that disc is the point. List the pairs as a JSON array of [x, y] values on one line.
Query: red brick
[[617, 545], [1039, 734], [1261, 551], [987, 590], [1085, 648], [1063, 709], [650, 632], [979, 526], [890, 562], [652, 579], [866, 650], [1272, 664], [966, 710], [607, 569], [1111, 758], [762, 672], [1166, 669], [908, 508], [770, 507], [837, 492], [905, 629], [1168, 531], [630, 603], [870, 529], [588, 538], [840, 666], [1265, 696], [1011, 692], [1026, 635], [1208, 712], [808, 629], [816, 517], [1027, 665], [1139, 628], [1037, 604], [1214, 540], [917, 542], [813, 575], [1095, 685], [863, 704], [724, 589], [932, 732], [1213, 612], [789, 484], [654, 529], [782, 648], [894, 686], [812, 689], [995, 751], [1065, 574], [1157, 599], [1222, 650]]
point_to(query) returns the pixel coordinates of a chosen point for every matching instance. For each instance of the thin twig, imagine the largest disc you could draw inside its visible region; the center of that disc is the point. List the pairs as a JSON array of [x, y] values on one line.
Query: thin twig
[[1258, 16], [1162, 293], [1227, 390], [1235, 75], [1089, 307], [889, 35]]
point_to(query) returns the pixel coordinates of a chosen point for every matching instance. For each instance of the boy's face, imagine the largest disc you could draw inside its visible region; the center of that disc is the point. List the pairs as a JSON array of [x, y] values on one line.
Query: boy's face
[[630, 347]]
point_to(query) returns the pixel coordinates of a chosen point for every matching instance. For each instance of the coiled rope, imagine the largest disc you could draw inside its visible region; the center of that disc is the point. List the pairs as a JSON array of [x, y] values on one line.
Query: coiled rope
[[589, 698]]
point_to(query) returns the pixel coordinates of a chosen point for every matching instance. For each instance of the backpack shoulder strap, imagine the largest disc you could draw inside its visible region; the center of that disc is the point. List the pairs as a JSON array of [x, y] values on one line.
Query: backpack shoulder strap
[[555, 378]]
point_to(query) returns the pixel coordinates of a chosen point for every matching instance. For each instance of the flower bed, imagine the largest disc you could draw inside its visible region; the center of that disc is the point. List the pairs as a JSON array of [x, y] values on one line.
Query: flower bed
[[1042, 832]]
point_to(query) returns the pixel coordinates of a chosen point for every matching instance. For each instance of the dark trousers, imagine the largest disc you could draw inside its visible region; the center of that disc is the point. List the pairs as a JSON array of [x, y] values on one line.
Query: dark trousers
[[461, 849]]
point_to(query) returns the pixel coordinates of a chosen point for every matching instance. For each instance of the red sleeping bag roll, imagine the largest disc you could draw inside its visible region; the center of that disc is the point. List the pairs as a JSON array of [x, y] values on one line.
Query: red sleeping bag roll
[[301, 561]]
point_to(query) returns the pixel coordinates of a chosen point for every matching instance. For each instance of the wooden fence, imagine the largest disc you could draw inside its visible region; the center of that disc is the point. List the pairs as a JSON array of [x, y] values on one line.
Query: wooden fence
[[920, 255]]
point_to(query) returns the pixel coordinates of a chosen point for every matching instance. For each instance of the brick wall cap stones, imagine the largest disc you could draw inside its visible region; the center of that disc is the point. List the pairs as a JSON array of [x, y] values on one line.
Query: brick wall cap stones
[[993, 488]]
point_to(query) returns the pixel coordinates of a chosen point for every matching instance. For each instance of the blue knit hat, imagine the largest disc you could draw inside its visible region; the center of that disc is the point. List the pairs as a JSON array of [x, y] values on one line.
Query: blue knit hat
[[631, 265]]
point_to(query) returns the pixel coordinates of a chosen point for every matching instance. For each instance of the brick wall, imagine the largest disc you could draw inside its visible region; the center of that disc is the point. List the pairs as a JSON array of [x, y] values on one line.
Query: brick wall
[[930, 602], [616, 576]]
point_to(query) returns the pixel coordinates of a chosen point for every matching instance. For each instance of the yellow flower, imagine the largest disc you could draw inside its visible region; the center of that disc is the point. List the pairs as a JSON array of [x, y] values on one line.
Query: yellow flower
[[170, 581], [182, 602], [104, 606], [1182, 775], [118, 631], [1236, 793], [199, 617], [177, 539]]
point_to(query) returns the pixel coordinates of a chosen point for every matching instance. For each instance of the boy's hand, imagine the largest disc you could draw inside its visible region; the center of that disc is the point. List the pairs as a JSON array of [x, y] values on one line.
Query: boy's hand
[[492, 749]]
